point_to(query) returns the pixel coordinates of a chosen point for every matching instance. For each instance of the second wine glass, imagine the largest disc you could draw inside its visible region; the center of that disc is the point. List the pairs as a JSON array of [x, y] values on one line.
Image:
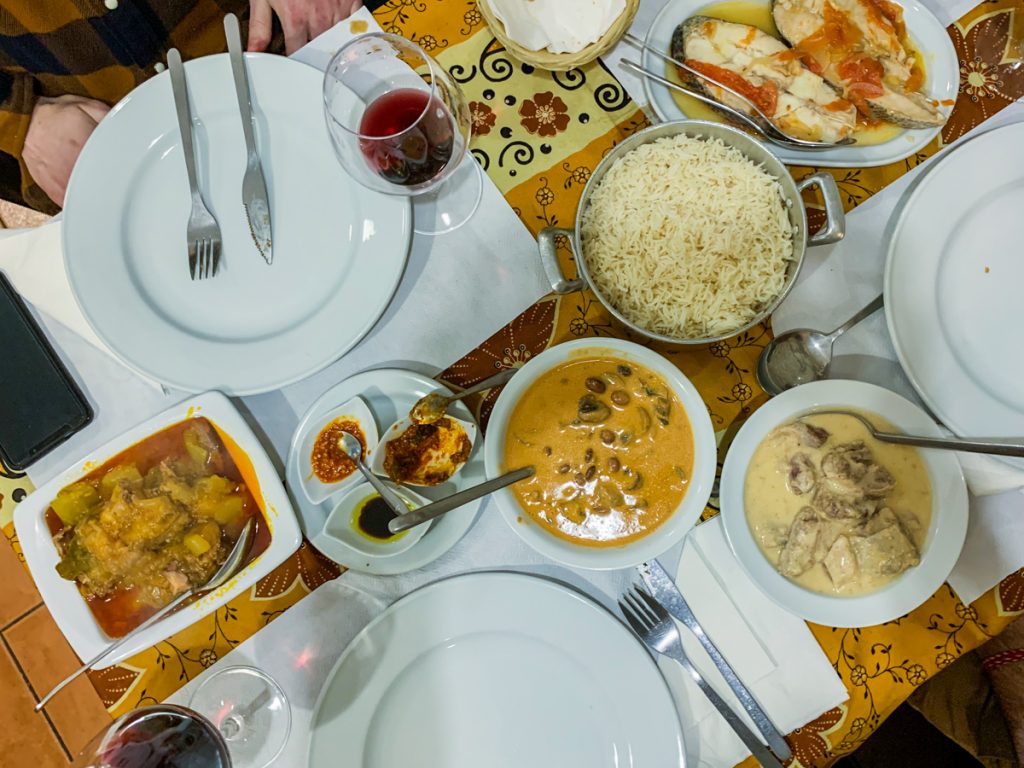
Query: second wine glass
[[400, 124]]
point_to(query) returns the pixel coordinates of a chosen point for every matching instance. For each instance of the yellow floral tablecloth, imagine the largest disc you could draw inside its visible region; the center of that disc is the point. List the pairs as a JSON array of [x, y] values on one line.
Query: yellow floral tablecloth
[[538, 135]]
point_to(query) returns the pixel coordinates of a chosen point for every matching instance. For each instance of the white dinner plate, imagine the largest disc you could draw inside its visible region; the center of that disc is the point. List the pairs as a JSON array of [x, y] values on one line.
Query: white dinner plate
[[390, 393], [339, 249], [953, 284], [942, 81], [495, 670]]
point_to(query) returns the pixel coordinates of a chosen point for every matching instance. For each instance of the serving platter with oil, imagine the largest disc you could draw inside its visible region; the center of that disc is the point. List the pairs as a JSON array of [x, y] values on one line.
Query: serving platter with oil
[[876, 145]]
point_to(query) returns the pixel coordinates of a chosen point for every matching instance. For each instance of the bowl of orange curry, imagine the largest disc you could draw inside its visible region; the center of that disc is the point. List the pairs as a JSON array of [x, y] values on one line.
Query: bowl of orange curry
[[622, 447]]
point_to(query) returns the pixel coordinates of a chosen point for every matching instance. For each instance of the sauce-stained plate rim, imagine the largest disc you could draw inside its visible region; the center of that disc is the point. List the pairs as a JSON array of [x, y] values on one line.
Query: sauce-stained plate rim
[[514, 604], [927, 32], [401, 388], [946, 532]]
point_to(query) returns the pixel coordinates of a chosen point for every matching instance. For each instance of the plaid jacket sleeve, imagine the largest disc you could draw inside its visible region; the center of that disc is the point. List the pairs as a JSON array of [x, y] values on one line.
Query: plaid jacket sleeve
[[17, 99]]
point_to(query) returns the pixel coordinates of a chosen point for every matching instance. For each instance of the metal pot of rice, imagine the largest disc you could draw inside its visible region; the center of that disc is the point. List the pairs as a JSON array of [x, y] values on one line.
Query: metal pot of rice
[[690, 232]]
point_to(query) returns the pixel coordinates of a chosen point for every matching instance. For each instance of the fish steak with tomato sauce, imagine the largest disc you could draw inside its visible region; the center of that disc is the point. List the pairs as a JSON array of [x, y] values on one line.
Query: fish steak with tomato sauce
[[767, 72], [860, 46]]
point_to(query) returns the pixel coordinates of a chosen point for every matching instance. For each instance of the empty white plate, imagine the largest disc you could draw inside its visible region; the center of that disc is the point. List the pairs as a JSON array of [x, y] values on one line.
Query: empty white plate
[[953, 286], [502, 670], [339, 249]]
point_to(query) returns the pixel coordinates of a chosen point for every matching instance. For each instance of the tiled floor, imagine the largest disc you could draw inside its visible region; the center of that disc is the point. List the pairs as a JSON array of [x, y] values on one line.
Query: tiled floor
[[33, 657]]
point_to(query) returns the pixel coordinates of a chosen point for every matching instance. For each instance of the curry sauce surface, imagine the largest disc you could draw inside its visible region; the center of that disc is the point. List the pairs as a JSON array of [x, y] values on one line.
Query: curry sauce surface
[[612, 447]]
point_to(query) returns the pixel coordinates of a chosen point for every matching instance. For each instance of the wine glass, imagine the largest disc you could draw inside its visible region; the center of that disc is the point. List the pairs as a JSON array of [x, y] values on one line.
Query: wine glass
[[400, 125], [160, 736], [249, 710]]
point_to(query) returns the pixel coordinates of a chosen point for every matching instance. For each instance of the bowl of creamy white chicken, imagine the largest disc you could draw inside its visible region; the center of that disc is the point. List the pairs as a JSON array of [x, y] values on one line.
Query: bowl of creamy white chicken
[[834, 525]]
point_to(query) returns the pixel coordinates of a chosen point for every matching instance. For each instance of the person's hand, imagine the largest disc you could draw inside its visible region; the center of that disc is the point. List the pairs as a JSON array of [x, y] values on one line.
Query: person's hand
[[301, 20], [56, 134]]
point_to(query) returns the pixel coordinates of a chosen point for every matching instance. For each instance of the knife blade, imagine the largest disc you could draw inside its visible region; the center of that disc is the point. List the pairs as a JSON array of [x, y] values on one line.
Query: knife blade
[[665, 591], [254, 185]]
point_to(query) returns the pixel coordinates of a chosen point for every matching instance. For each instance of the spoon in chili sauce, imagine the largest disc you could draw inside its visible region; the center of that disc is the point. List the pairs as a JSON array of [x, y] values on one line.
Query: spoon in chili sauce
[[351, 446], [432, 407], [231, 565]]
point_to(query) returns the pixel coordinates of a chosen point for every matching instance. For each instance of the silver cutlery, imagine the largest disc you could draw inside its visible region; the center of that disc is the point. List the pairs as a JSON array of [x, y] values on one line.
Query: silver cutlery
[[769, 126], [429, 511], [203, 233], [433, 406], [231, 565], [802, 355], [667, 594], [999, 446], [755, 123], [354, 450], [655, 627], [254, 185]]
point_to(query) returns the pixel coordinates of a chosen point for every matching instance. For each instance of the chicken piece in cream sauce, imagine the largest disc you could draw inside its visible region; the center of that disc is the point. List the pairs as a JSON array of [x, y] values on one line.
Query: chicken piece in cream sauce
[[835, 510]]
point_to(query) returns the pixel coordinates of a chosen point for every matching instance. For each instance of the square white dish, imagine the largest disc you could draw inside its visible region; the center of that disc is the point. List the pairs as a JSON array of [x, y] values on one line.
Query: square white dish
[[62, 597]]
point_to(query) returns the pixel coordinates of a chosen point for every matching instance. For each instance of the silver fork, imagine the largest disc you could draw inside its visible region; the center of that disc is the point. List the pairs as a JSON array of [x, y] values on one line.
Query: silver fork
[[655, 627], [203, 234]]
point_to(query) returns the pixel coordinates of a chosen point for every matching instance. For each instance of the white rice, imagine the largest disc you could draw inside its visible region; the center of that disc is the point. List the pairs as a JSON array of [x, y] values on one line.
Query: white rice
[[687, 238]]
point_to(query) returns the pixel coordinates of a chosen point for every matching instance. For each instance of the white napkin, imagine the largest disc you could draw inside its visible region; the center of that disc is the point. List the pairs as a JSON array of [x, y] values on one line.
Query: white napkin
[[772, 651], [560, 26], [34, 262]]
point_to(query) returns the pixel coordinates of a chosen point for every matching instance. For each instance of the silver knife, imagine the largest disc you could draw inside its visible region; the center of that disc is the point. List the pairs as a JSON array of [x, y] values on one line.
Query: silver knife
[[254, 186], [667, 593]]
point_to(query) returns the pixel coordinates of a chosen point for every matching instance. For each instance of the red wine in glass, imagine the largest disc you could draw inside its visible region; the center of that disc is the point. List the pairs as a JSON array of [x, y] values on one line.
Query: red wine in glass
[[165, 739], [407, 136]]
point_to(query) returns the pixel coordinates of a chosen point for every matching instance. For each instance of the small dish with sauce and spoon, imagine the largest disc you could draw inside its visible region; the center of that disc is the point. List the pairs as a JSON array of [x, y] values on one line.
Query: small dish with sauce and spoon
[[361, 517]]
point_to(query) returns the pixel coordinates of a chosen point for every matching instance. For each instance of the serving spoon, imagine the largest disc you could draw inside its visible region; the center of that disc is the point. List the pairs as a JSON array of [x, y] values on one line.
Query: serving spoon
[[999, 446], [225, 573], [803, 355], [432, 407]]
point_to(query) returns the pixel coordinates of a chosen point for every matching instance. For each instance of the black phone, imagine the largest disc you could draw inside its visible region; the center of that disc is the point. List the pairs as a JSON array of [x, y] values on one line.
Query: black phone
[[41, 406]]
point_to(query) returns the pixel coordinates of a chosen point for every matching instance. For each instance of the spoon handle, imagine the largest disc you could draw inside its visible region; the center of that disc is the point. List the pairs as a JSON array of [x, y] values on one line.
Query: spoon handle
[[447, 504], [391, 498], [870, 309], [998, 446], [489, 383], [167, 609]]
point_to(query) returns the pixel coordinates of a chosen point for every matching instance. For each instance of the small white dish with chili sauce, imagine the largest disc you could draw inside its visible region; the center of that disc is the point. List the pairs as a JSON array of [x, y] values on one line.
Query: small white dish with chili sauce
[[360, 519], [438, 458], [325, 469]]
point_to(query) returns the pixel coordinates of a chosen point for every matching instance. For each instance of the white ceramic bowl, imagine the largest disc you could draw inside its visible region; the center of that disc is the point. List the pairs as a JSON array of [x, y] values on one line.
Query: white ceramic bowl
[[943, 541], [354, 409], [339, 522], [376, 462], [62, 597], [661, 538]]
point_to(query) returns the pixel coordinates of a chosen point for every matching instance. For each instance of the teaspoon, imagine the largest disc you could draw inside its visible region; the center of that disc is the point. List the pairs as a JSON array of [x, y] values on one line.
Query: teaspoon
[[802, 355], [432, 407], [354, 450]]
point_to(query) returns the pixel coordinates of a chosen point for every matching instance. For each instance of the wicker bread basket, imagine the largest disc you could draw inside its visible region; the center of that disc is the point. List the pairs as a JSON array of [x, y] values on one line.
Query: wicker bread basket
[[560, 62]]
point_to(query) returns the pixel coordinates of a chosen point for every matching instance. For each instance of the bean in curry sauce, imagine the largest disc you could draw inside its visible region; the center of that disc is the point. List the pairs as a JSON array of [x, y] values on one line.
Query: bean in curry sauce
[[612, 447]]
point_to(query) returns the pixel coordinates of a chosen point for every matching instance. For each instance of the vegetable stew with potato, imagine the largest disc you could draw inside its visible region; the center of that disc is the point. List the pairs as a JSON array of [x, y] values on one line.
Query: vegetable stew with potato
[[157, 519]]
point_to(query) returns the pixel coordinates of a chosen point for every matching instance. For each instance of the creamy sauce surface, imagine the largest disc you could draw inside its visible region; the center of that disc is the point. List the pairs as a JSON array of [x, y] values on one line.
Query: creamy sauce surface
[[771, 506], [612, 447]]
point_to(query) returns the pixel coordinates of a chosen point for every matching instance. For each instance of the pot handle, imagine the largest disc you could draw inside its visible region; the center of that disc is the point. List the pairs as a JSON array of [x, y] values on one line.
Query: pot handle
[[835, 219], [549, 260]]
